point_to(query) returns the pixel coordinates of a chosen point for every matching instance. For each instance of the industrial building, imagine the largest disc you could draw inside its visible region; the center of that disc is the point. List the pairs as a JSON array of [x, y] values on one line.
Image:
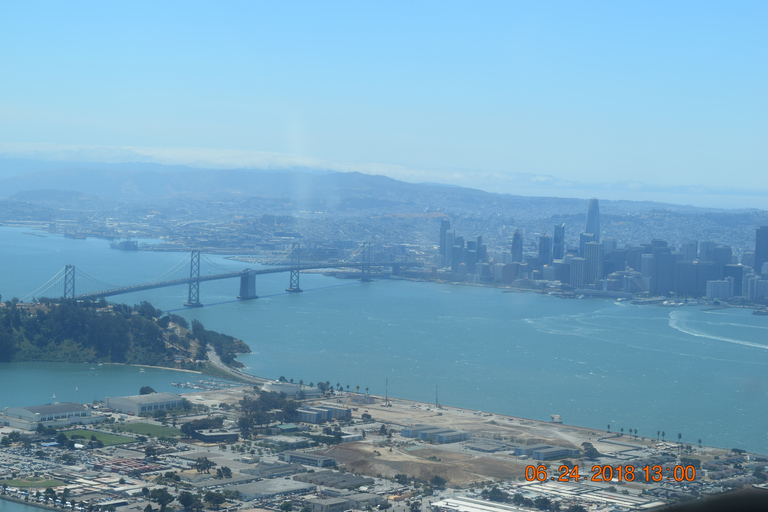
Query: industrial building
[[308, 459], [321, 413], [138, 404], [51, 415], [436, 434]]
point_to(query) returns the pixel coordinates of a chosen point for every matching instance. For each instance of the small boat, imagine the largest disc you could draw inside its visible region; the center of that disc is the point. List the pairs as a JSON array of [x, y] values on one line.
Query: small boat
[[142, 371], [54, 396]]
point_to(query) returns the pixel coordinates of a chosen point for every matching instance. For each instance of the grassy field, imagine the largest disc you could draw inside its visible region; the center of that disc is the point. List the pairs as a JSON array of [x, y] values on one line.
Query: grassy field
[[32, 481], [147, 429], [107, 439]]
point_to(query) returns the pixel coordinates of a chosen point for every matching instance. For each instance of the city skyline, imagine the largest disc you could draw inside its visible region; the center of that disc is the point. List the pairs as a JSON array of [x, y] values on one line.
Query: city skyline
[[652, 102]]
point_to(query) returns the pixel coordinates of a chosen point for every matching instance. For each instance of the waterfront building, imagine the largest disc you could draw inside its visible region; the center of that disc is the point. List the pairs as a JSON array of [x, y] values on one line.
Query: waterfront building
[[578, 273], [50, 415], [292, 390], [720, 289], [736, 272], [761, 250], [138, 404], [593, 219]]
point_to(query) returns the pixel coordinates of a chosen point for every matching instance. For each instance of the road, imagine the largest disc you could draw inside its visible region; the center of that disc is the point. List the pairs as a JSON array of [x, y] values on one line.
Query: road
[[216, 361]]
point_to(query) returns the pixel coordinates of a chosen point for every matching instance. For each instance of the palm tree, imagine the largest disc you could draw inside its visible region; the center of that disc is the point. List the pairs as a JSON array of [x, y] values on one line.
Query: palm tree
[[699, 443], [662, 435], [622, 430], [635, 433], [609, 427], [658, 433]]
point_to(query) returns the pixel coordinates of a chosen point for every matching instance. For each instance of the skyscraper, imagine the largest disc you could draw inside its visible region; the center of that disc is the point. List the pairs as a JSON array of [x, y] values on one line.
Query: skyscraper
[[545, 250], [517, 247], [558, 246], [761, 248], [445, 225], [593, 254], [593, 219]]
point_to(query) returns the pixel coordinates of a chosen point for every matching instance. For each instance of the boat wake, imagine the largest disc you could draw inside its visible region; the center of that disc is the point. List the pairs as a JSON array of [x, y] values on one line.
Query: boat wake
[[677, 322]]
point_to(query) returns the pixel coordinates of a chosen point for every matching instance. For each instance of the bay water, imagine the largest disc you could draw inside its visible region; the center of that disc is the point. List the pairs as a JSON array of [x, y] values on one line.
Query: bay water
[[595, 362]]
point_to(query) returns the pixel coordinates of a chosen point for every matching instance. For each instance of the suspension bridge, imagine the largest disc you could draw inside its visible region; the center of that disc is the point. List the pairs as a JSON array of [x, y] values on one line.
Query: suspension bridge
[[65, 279]]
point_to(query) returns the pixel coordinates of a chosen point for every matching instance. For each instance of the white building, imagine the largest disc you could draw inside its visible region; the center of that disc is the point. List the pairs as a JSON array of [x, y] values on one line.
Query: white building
[[51, 415], [138, 404]]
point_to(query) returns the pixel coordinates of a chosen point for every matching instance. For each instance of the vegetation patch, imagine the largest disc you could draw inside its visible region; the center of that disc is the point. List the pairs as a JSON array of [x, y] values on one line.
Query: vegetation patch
[[146, 429], [83, 436], [32, 481]]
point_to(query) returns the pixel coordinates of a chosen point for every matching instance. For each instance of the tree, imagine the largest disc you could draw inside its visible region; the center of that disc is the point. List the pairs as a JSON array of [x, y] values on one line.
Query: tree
[[161, 496], [437, 482], [189, 501], [214, 499], [204, 465], [226, 472], [286, 506], [590, 451], [146, 390]]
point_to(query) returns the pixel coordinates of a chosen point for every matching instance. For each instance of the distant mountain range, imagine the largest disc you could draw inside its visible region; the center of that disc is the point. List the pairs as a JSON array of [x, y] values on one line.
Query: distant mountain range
[[54, 183]]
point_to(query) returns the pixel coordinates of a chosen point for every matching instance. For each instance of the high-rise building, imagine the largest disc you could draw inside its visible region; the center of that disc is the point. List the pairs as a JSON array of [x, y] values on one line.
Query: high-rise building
[[593, 219], [761, 249], [593, 254], [448, 254], [578, 273], [545, 250], [517, 247], [584, 238], [445, 225], [558, 245]]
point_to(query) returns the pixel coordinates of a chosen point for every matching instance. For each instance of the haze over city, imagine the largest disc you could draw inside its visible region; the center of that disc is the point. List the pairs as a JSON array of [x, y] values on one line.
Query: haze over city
[[656, 101]]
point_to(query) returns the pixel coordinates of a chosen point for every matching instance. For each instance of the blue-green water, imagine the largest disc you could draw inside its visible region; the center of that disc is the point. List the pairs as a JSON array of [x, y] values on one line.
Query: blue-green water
[[594, 362]]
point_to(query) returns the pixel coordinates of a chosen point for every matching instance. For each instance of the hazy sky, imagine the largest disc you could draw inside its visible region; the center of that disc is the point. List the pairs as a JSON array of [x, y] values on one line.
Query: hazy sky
[[662, 100]]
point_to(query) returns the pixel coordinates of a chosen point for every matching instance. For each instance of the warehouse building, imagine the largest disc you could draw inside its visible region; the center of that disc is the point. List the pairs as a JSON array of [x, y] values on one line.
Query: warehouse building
[[51, 415], [138, 404], [308, 459]]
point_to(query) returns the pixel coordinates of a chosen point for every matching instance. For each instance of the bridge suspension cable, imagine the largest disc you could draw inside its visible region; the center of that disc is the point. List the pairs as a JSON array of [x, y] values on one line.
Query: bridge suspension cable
[[280, 258], [214, 264], [178, 266], [56, 279], [92, 279]]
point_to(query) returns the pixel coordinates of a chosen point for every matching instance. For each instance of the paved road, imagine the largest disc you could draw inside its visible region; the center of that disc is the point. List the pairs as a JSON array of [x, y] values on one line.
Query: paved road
[[234, 373]]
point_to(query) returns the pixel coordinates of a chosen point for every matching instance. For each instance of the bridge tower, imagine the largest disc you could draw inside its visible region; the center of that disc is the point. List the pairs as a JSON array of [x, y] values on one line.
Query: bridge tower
[[193, 300], [69, 281], [293, 284], [248, 285], [366, 268]]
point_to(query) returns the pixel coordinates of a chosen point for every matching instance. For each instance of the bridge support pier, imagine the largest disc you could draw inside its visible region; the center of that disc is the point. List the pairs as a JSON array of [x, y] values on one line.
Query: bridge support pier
[[293, 283], [69, 282], [248, 285], [193, 299]]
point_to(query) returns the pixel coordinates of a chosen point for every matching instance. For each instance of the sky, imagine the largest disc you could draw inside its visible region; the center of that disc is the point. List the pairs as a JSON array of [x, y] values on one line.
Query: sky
[[619, 100]]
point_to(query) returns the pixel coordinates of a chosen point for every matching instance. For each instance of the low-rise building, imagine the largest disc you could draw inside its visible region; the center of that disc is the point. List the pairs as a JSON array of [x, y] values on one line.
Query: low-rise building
[[308, 459], [50, 415], [138, 404]]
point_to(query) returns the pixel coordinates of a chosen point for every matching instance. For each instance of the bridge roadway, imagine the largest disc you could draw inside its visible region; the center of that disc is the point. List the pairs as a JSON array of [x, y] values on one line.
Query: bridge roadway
[[209, 277]]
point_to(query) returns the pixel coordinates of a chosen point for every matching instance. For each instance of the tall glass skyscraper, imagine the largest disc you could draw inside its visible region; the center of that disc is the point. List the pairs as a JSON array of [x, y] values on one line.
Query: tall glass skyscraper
[[558, 246], [761, 248], [593, 219]]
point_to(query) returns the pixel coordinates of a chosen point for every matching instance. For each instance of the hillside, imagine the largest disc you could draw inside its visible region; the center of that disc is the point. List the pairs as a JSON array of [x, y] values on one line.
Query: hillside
[[72, 331]]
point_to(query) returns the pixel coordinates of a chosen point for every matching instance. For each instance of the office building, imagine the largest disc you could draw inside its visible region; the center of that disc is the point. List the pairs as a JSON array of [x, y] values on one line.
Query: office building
[[584, 239], [545, 250], [761, 250], [593, 255], [558, 244], [593, 219], [578, 273], [445, 225], [517, 247]]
